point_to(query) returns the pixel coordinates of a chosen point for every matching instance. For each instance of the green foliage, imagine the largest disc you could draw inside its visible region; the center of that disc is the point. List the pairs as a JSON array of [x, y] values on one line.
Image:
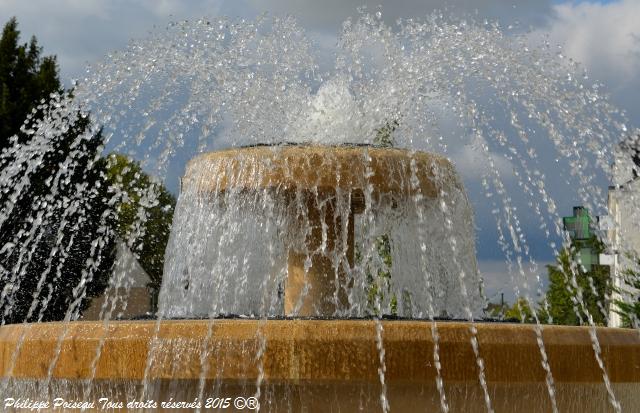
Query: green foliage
[[25, 78], [145, 213], [629, 306], [378, 274], [57, 248], [520, 310], [50, 268], [566, 286], [561, 304], [384, 135], [495, 311], [379, 284], [49, 274]]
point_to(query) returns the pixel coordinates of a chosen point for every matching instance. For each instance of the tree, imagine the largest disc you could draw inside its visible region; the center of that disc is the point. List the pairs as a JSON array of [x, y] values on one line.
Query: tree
[[25, 79], [567, 284], [145, 213], [57, 238], [378, 275], [521, 311], [496, 310], [58, 242]]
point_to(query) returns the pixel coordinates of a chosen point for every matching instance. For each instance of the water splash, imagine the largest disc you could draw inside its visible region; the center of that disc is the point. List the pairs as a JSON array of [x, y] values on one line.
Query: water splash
[[426, 85]]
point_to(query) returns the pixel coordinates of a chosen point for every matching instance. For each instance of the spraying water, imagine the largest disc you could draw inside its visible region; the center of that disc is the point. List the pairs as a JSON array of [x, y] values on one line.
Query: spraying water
[[449, 87]]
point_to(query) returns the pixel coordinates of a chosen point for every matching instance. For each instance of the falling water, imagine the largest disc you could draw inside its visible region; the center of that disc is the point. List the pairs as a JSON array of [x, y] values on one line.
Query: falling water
[[448, 87]]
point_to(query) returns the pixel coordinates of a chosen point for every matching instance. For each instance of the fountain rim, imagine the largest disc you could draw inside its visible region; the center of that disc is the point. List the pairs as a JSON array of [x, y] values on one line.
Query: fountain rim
[[346, 146], [317, 350], [312, 167]]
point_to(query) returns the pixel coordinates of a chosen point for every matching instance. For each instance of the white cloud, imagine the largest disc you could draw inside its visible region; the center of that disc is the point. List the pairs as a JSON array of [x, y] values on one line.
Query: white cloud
[[498, 280], [605, 38], [472, 163], [82, 31], [329, 14]]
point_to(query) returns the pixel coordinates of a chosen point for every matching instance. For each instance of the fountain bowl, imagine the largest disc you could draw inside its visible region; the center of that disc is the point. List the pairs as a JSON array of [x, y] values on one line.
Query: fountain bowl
[[319, 364], [327, 207]]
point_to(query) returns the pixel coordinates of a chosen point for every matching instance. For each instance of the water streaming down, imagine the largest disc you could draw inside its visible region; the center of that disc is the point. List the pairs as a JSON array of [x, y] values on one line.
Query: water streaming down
[[279, 204], [312, 229]]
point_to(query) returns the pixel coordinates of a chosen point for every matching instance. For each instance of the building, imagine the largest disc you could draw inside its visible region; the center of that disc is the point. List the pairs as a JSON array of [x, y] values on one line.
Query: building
[[624, 210], [132, 298], [580, 229]]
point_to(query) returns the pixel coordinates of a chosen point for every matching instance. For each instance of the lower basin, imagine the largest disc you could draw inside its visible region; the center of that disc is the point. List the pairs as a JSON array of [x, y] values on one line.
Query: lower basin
[[320, 365]]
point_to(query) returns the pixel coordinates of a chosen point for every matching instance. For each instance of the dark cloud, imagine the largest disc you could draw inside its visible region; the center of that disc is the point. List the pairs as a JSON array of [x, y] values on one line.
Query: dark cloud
[[79, 32], [329, 14]]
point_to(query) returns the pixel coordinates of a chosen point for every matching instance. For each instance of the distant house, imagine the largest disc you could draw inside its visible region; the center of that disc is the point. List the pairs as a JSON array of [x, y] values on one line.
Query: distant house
[[131, 298], [624, 210]]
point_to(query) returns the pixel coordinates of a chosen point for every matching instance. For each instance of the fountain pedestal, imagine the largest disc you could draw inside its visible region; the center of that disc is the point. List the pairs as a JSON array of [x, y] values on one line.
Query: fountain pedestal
[[313, 286], [329, 186]]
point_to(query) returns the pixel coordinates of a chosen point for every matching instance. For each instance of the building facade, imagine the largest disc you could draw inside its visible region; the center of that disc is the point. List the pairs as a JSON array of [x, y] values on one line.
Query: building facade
[[129, 296], [624, 230]]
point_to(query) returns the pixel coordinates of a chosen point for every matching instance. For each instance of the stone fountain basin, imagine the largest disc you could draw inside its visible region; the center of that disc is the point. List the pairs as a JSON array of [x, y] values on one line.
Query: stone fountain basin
[[318, 193], [321, 168], [312, 364]]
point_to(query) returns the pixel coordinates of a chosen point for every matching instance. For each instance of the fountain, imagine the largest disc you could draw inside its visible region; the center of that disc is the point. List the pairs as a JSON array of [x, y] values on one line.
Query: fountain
[[317, 356], [325, 260], [318, 200]]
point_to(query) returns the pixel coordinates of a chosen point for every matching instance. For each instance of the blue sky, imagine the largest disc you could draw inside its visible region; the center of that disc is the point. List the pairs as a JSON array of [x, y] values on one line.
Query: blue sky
[[604, 36]]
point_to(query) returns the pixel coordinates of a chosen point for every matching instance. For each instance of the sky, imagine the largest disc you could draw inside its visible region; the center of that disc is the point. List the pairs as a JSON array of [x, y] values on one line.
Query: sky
[[604, 36]]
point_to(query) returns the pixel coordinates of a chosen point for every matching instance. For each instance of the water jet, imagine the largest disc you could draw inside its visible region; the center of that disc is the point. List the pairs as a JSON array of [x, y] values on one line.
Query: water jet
[[324, 275], [309, 363]]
